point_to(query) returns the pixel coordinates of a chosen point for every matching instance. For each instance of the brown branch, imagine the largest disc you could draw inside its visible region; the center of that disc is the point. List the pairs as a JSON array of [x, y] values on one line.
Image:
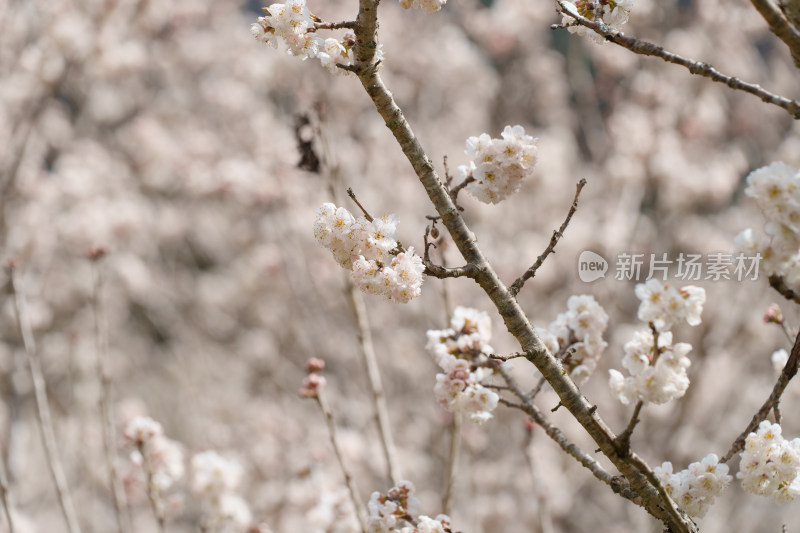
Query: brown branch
[[789, 371], [701, 69], [780, 26], [349, 24], [437, 271], [779, 284], [624, 438], [514, 317], [531, 272], [530, 409]]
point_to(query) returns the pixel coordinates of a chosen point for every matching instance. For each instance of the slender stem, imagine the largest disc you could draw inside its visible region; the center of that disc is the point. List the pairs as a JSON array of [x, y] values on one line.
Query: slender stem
[[153, 492], [779, 25], [5, 497], [695, 67], [531, 272], [452, 462], [529, 408], [375, 382], [545, 519], [789, 371], [106, 417], [348, 478], [42, 408]]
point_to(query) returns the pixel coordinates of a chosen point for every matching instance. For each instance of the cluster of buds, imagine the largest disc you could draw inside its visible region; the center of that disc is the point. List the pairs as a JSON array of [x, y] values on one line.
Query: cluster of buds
[[314, 381], [396, 512]]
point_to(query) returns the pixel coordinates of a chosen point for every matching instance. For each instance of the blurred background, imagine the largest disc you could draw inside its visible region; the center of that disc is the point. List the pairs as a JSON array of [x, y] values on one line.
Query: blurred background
[[163, 133]]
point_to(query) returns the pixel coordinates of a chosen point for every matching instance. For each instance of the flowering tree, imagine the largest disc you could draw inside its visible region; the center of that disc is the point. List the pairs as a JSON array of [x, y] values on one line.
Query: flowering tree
[[657, 367], [159, 263]]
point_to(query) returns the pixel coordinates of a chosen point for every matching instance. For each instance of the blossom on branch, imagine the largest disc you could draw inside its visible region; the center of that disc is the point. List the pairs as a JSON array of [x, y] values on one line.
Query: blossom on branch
[[498, 166], [577, 335], [461, 353], [613, 13], [770, 464], [396, 512], [369, 249], [776, 190], [695, 488]]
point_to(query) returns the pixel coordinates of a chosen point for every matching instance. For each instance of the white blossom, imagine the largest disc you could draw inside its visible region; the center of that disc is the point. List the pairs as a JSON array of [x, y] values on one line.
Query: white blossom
[[695, 488], [368, 249], [498, 166], [770, 464]]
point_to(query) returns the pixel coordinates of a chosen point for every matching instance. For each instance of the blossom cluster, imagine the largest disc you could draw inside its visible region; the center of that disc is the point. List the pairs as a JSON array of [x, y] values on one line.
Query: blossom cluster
[[612, 13], [658, 368], [498, 166], [397, 510], [770, 464], [428, 6], [160, 458], [368, 249], [214, 482], [576, 336], [776, 191], [461, 352], [665, 305], [695, 488], [294, 24]]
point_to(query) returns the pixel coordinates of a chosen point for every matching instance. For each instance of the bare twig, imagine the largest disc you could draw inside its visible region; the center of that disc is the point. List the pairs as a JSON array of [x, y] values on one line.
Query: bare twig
[[779, 284], [106, 417], [349, 24], [452, 462], [543, 512], [531, 272], [375, 383], [5, 497], [624, 438], [42, 408], [701, 69], [352, 196], [789, 371], [441, 272], [348, 477]]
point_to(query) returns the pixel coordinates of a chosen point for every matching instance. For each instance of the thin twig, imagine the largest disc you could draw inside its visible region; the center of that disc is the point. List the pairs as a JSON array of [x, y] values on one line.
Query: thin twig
[[442, 272], [348, 478], [153, 492], [529, 408], [640, 47], [452, 462], [789, 371], [42, 408], [376, 385], [543, 512], [779, 284], [5, 497], [531, 272], [349, 24], [624, 438], [352, 196], [106, 417]]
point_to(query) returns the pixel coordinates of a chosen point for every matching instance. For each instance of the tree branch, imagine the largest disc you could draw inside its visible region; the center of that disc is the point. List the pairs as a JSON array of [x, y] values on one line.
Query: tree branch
[[701, 69], [780, 27], [789, 371], [515, 319], [531, 272]]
